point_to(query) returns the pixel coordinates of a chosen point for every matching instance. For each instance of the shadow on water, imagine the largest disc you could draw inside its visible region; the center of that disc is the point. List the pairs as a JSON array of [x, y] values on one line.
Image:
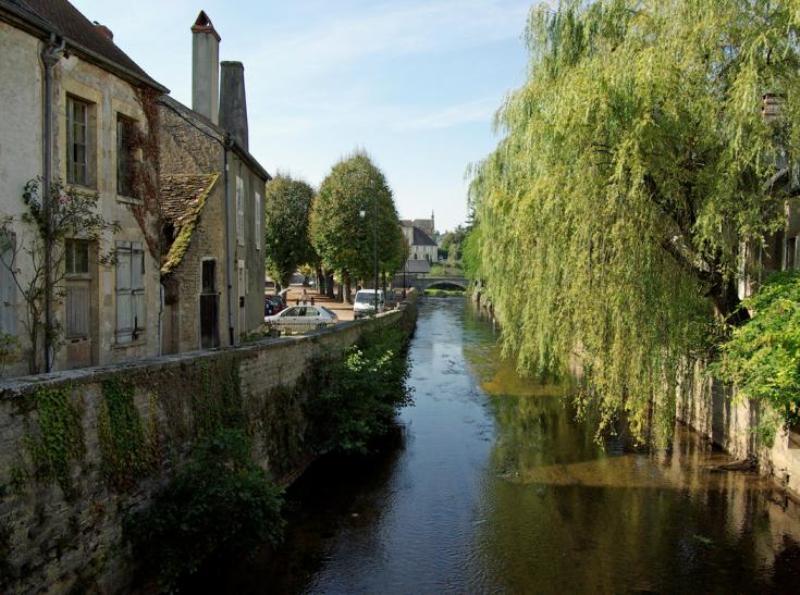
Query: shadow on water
[[491, 485]]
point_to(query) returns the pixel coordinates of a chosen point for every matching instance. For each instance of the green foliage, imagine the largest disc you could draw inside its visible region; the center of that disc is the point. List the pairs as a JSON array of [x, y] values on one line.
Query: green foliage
[[361, 393], [470, 253], [9, 350], [217, 401], [219, 505], [444, 292], [124, 446], [452, 243], [762, 357], [57, 441], [344, 238], [287, 207], [635, 162]]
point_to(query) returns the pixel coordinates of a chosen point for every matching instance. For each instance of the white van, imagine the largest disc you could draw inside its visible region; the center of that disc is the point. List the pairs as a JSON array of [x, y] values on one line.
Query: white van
[[364, 304]]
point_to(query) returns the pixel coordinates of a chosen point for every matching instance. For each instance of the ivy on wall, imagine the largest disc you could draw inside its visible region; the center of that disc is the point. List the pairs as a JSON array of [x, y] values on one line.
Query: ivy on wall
[[57, 441], [124, 444]]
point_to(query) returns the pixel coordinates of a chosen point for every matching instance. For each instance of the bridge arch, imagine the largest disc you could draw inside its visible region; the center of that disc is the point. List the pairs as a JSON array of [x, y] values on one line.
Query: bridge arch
[[449, 284]]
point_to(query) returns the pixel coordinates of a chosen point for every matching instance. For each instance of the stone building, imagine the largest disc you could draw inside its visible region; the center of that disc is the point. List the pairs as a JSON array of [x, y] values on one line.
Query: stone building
[[421, 245], [72, 102], [212, 203]]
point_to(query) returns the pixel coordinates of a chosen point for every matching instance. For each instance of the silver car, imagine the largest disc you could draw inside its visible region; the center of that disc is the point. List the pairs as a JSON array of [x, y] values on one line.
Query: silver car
[[301, 319]]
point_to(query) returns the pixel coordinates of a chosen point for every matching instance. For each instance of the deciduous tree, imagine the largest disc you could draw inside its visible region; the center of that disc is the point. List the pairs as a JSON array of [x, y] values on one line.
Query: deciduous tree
[[353, 212], [287, 206], [635, 162]]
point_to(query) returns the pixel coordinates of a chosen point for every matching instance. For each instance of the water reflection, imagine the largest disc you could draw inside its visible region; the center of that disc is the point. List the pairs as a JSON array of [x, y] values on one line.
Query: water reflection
[[496, 488]]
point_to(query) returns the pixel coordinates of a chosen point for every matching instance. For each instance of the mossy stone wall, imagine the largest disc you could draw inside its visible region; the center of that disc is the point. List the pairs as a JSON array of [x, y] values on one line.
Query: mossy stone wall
[[80, 449]]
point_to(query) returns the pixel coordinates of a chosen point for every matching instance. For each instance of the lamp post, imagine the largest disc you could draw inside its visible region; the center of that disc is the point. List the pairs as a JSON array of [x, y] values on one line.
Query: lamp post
[[363, 214], [405, 268]]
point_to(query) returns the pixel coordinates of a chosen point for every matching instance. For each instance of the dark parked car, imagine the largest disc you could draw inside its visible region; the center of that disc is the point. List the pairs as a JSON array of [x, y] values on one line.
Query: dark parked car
[[273, 304]]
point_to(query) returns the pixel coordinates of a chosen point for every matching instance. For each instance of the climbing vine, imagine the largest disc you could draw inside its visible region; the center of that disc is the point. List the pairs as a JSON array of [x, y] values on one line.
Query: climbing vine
[[145, 175], [124, 445], [57, 442]]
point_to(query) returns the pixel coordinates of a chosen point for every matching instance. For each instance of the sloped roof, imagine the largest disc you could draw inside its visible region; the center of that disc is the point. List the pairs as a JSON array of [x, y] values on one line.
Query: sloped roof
[[206, 126], [183, 197], [80, 34], [421, 238]]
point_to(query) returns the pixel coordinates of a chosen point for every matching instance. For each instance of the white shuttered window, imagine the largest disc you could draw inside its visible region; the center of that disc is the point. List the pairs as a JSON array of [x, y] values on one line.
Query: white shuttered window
[[259, 217], [130, 291], [78, 284], [8, 288], [240, 210]]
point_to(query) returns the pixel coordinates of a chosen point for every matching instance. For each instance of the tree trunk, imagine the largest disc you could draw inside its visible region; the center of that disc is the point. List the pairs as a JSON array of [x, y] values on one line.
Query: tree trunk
[[339, 292], [320, 281], [348, 287], [329, 284], [383, 283]]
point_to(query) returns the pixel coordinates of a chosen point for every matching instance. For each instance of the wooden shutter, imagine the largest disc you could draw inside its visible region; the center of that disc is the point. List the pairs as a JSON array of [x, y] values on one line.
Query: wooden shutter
[[8, 288], [259, 217], [77, 308], [240, 210], [137, 287], [124, 304]]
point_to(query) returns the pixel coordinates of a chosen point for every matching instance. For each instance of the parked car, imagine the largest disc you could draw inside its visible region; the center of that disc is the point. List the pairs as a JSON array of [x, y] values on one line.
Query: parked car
[[300, 319], [364, 304], [273, 304]]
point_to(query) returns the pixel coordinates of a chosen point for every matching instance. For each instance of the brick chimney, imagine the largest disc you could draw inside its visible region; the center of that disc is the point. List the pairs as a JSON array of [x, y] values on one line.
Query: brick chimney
[[232, 102], [205, 67], [104, 31]]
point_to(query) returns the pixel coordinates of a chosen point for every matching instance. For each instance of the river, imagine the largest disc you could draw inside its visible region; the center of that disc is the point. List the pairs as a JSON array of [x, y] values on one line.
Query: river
[[491, 485]]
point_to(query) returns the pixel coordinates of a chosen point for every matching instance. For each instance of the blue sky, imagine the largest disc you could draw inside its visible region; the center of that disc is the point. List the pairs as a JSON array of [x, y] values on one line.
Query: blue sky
[[414, 82]]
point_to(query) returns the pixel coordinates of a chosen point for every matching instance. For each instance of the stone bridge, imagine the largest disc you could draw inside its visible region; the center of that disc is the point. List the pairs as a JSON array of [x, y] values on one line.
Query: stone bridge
[[423, 282]]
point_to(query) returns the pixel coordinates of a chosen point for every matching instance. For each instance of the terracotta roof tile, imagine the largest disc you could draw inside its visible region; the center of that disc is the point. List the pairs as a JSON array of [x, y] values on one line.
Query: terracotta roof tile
[[69, 22]]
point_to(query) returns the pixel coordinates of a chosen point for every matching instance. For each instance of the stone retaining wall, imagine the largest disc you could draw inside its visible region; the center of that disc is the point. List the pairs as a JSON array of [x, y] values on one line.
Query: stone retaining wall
[[79, 449], [730, 421]]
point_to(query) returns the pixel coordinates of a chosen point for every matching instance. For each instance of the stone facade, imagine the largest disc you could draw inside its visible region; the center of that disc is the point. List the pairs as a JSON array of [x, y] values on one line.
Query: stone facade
[[228, 239], [108, 96], [60, 515]]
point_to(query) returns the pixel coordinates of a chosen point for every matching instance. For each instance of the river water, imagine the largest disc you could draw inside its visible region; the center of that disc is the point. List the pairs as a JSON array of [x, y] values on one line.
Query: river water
[[491, 485]]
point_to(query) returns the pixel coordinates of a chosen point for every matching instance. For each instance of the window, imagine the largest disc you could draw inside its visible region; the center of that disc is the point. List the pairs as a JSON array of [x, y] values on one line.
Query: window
[[130, 291], [126, 156], [76, 257], [77, 286], [259, 217], [240, 210], [78, 142], [8, 287], [209, 282]]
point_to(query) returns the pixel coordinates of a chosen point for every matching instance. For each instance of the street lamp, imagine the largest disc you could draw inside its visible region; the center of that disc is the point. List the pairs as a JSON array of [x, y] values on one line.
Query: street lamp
[[363, 214]]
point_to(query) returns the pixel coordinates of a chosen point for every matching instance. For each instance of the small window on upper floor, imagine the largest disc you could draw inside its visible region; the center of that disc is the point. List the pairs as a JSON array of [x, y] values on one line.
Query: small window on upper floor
[[240, 210], [80, 142], [126, 156]]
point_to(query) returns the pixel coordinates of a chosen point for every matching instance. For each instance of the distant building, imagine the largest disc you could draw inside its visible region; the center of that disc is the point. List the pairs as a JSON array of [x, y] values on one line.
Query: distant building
[[426, 225], [212, 204], [421, 245]]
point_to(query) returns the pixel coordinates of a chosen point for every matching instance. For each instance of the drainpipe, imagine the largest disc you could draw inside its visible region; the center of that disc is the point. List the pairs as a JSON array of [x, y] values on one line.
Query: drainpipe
[[51, 54], [228, 252]]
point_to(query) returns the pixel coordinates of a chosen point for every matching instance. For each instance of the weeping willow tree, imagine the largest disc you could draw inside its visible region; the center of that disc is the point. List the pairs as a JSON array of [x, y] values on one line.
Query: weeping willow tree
[[635, 161]]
